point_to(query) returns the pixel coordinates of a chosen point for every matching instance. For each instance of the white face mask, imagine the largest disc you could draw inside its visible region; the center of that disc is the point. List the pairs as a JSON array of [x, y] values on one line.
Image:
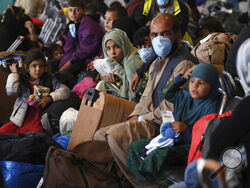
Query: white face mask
[[147, 54], [162, 46], [162, 3], [72, 30]]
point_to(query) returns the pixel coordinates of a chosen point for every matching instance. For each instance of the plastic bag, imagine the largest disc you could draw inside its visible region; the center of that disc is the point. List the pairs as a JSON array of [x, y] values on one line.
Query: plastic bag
[[67, 120], [81, 88], [62, 139], [108, 65], [20, 175]]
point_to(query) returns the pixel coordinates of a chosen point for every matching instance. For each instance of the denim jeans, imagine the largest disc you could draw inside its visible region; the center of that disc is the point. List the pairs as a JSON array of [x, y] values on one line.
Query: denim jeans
[[191, 178]]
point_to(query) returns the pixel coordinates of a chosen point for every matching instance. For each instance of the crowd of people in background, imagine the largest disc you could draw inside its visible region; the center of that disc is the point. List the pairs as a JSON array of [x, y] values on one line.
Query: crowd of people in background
[[149, 47]]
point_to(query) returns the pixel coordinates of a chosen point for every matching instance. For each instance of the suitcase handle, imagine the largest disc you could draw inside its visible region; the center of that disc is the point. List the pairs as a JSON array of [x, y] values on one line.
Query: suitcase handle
[[92, 94]]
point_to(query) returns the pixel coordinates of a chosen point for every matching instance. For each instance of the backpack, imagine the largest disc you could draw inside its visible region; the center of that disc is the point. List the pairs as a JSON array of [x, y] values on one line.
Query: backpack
[[214, 49], [91, 164], [27, 147], [201, 132]]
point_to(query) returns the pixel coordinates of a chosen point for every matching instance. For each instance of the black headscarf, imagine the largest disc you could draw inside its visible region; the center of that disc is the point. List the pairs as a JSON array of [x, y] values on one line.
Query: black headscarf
[[12, 26]]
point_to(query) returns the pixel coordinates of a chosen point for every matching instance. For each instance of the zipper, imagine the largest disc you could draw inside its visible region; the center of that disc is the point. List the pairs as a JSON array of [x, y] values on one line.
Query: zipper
[[17, 109]]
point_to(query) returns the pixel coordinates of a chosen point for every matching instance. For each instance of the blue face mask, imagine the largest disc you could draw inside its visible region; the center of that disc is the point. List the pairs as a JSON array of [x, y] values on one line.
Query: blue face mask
[[162, 3], [162, 46], [147, 54], [72, 29]]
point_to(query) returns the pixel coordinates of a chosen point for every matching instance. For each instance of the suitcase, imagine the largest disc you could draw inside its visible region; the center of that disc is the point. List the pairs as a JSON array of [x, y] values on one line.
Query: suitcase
[[98, 110]]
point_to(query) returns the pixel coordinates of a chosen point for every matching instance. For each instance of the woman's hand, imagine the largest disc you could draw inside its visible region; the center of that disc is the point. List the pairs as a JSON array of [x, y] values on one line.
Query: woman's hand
[[134, 82], [30, 26], [178, 126], [44, 101], [110, 78], [91, 66], [13, 68]]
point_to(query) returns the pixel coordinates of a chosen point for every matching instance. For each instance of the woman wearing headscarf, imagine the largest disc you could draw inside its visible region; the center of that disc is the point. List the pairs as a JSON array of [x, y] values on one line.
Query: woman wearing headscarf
[[236, 130], [120, 53], [172, 145]]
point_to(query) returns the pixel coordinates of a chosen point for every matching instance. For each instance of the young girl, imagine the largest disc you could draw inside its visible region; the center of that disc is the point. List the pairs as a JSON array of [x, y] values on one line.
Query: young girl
[[189, 106], [116, 45], [112, 14], [26, 118]]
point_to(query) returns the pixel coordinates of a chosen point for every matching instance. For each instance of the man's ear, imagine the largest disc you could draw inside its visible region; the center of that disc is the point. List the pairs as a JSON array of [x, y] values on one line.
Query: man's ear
[[179, 35]]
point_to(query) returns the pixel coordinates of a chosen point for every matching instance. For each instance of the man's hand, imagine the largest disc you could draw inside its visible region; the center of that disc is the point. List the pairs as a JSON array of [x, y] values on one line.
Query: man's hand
[[13, 68], [44, 101], [133, 118], [179, 126], [134, 82]]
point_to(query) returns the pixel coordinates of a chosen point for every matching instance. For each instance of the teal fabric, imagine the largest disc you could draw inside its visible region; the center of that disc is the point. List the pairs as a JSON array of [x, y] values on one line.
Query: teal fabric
[[153, 165], [4, 4], [208, 73], [131, 60], [189, 110]]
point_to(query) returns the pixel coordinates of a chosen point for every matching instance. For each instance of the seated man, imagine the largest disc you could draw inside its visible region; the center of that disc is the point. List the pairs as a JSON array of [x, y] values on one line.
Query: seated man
[[173, 60], [150, 8]]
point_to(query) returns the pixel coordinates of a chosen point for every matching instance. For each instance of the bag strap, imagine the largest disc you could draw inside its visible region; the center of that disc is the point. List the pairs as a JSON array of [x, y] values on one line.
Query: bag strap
[[83, 176], [90, 166], [93, 168], [195, 48]]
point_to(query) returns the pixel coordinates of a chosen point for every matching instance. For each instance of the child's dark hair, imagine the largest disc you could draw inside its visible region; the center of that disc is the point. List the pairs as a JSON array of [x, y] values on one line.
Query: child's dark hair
[[120, 10], [52, 48], [115, 3], [90, 9], [76, 3], [32, 55], [139, 36]]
